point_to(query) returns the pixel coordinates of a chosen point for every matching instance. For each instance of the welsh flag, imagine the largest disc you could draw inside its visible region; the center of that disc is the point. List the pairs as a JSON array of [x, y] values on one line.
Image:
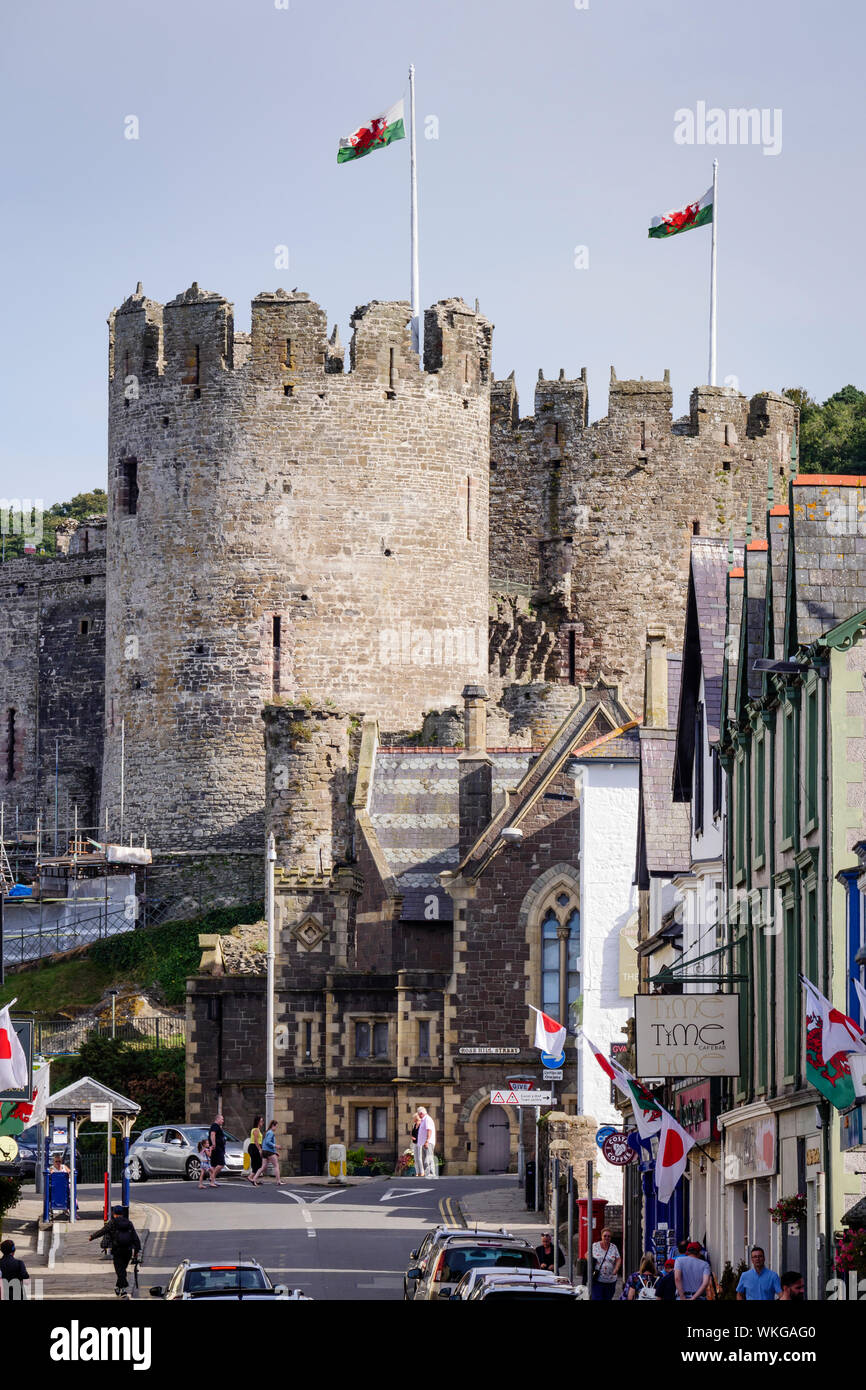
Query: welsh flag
[[696, 214], [647, 1112], [549, 1035], [13, 1063], [16, 1116], [672, 1156], [830, 1036], [375, 135]]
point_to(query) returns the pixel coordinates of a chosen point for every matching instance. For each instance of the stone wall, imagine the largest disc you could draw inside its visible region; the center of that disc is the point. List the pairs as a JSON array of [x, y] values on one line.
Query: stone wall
[[280, 528], [596, 520], [51, 677]]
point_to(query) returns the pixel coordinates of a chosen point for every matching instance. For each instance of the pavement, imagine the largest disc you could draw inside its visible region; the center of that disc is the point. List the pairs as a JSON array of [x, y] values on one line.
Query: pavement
[[340, 1243]]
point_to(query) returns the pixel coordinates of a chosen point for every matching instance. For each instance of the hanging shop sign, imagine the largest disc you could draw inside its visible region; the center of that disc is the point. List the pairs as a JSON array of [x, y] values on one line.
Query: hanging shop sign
[[617, 1149], [687, 1035], [693, 1109]]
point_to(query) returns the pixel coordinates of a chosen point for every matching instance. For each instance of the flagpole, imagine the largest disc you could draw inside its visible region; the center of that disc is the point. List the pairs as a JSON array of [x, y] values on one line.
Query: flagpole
[[713, 274], [413, 207]]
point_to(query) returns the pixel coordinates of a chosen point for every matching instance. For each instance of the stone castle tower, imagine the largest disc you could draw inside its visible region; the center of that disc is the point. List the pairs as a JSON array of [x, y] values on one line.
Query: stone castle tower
[[594, 521], [280, 529]]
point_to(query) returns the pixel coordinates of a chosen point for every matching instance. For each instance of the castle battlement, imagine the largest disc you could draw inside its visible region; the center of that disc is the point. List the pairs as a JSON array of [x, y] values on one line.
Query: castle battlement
[[190, 342]]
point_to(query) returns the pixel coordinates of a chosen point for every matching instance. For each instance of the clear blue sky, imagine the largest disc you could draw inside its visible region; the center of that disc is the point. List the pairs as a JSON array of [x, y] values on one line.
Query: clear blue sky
[[555, 130]]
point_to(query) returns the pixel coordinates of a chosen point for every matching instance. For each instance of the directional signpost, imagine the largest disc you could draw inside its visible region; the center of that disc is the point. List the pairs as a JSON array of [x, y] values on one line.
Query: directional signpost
[[510, 1097]]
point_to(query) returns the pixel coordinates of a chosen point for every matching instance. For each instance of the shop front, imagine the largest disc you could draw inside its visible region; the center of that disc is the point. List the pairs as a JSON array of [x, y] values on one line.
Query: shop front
[[749, 1167]]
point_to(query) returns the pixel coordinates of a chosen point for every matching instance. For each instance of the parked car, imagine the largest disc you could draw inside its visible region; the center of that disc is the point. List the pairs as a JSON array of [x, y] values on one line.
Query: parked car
[[449, 1260], [418, 1258], [18, 1156], [173, 1149], [479, 1284], [240, 1281]]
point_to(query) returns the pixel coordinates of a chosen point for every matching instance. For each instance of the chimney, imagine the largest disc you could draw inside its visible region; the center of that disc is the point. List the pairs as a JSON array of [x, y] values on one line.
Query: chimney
[[475, 769], [655, 697]]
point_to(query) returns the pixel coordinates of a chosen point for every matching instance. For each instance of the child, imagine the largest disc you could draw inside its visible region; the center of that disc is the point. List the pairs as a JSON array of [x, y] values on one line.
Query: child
[[204, 1153]]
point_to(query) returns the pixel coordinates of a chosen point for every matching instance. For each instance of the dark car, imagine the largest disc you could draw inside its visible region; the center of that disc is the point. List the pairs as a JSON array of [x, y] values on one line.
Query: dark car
[[24, 1150]]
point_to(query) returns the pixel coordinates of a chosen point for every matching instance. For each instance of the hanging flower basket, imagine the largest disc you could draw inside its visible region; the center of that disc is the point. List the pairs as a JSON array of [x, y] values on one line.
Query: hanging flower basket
[[789, 1209], [851, 1252]]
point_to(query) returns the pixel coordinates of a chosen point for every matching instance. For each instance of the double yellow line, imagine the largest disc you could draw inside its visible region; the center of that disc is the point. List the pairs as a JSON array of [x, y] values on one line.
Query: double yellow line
[[450, 1212]]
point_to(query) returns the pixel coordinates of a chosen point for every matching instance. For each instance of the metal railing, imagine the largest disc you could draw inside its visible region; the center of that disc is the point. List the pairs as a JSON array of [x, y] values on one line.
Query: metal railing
[[29, 934], [62, 1037]]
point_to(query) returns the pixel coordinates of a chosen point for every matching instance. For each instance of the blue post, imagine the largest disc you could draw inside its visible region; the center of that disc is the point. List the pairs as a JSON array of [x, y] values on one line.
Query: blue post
[[46, 1203], [125, 1186], [73, 1176]]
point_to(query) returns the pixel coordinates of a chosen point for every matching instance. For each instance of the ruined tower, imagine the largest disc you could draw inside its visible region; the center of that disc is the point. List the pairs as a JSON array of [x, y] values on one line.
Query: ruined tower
[[282, 529]]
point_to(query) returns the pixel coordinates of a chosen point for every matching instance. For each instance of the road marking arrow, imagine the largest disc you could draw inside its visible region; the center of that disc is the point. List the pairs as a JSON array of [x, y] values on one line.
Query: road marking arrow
[[394, 1194], [308, 1201]]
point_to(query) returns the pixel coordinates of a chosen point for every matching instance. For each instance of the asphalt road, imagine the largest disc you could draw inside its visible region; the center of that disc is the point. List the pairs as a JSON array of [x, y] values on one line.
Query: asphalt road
[[333, 1243]]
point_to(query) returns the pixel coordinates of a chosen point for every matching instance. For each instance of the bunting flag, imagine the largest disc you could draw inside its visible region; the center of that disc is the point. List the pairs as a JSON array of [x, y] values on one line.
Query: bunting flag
[[375, 135], [647, 1111], [13, 1062], [672, 1156], [861, 995], [830, 1036], [549, 1035], [696, 214]]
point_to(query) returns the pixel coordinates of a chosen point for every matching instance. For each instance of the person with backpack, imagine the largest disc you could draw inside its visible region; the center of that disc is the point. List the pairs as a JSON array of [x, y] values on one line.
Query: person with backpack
[[641, 1285], [124, 1244]]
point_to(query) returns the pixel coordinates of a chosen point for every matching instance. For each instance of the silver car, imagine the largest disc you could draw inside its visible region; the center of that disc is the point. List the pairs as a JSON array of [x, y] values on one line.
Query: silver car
[[172, 1151], [241, 1281]]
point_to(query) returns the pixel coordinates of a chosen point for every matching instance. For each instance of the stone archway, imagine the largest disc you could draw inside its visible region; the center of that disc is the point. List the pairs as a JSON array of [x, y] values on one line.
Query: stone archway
[[470, 1115]]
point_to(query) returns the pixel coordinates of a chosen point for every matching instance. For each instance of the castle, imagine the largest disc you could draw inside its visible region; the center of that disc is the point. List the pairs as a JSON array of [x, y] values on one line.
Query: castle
[[369, 557]]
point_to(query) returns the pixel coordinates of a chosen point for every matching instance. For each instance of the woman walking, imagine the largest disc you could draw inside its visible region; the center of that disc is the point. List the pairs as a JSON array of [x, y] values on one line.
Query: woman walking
[[254, 1149], [643, 1283], [270, 1155]]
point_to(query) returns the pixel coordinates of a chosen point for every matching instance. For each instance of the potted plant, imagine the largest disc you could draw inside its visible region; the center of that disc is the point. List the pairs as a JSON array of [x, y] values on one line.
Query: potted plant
[[850, 1252], [10, 1191], [405, 1165]]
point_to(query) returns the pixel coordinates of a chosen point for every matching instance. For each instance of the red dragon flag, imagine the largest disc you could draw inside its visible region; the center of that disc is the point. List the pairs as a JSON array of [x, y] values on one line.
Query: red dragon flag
[[13, 1062], [549, 1035], [647, 1112], [375, 135], [696, 214], [830, 1036], [672, 1156]]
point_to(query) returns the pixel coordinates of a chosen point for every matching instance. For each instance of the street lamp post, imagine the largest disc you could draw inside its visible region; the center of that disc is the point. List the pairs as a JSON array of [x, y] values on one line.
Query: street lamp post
[[269, 908]]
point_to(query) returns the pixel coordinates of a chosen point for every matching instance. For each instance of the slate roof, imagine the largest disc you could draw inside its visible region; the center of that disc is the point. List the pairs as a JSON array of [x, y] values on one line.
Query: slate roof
[[414, 799], [778, 522], [754, 600], [703, 651], [80, 1095], [828, 514], [664, 825]]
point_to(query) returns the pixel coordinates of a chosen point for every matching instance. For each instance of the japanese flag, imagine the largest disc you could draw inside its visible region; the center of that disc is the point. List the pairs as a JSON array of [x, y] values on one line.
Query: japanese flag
[[13, 1063], [672, 1156], [549, 1035]]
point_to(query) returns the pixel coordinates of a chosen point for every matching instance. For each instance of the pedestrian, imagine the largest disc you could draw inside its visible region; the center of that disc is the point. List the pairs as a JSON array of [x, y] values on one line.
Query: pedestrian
[[545, 1252], [643, 1283], [13, 1273], [760, 1283], [217, 1137], [254, 1148], [791, 1281], [666, 1288], [270, 1155], [692, 1274], [419, 1157], [124, 1244], [427, 1144], [606, 1264], [204, 1153]]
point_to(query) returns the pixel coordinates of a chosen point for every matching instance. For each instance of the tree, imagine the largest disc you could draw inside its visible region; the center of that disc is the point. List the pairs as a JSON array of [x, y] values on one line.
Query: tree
[[18, 528], [832, 435]]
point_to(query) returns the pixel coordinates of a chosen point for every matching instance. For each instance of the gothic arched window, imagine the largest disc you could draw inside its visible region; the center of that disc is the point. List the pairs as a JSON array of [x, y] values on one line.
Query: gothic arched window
[[560, 960]]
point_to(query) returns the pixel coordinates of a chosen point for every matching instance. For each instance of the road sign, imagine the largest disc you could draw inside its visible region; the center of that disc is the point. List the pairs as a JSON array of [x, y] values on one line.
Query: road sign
[[489, 1051], [601, 1134], [100, 1112], [510, 1097], [552, 1062], [551, 1075], [617, 1149]]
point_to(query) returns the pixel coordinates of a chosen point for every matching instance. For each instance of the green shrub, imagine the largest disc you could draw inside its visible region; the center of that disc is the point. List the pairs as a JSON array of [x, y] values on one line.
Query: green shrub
[[10, 1191], [152, 1077]]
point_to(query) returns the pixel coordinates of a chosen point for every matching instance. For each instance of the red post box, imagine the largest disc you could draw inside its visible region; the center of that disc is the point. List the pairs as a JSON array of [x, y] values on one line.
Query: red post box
[[598, 1209]]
